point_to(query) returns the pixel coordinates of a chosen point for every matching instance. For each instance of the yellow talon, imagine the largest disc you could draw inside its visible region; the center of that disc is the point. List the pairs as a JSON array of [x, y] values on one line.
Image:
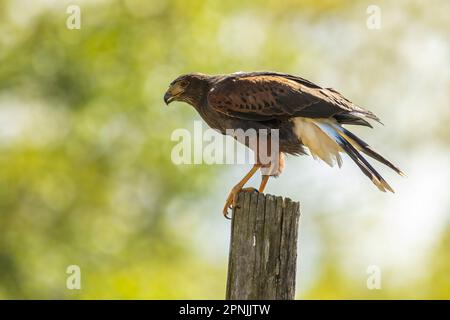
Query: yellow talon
[[231, 201]]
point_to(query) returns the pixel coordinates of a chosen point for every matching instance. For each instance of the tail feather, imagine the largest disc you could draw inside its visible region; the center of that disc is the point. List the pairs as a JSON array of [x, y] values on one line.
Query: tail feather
[[364, 165], [364, 147], [348, 143]]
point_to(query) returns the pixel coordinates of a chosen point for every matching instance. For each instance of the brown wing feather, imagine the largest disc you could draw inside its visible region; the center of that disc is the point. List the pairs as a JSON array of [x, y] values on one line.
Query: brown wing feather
[[268, 96]]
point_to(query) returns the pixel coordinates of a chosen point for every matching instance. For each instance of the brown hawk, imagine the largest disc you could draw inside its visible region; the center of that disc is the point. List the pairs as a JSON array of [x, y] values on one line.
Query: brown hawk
[[305, 115]]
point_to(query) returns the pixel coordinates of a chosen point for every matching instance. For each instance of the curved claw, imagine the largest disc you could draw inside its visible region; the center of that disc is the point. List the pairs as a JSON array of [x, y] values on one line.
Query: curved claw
[[231, 201]]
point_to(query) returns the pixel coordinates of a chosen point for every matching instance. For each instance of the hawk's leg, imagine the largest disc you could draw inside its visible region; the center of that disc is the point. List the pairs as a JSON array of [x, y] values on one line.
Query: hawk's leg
[[263, 184], [232, 197]]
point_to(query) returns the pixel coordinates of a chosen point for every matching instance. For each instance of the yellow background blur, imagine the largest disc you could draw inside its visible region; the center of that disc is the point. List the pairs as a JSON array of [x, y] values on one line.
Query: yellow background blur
[[85, 171]]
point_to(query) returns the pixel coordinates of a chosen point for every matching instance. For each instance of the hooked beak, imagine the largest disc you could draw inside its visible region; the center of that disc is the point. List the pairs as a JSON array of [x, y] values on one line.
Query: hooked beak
[[168, 98]]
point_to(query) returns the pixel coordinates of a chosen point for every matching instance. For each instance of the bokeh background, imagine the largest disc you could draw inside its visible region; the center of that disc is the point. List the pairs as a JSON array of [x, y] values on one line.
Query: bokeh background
[[86, 176]]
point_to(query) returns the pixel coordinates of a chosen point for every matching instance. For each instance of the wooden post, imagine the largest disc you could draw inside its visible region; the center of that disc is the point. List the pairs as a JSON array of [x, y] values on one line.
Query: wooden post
[[263, 248]]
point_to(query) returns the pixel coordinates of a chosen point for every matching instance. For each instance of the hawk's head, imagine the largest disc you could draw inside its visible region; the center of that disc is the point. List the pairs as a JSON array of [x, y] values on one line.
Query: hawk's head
[[189, 88]]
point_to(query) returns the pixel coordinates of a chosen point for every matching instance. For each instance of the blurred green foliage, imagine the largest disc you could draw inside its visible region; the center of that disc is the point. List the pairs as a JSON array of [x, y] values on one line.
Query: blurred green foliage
[[86, 176], [91, 183]]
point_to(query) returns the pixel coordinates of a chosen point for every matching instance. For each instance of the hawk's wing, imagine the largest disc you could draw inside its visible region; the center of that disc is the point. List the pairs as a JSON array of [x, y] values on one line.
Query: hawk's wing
[[269, 95]]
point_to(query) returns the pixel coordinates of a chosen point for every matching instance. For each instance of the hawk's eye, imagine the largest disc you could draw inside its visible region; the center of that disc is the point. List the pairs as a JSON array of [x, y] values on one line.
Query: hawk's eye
[[184, 83]]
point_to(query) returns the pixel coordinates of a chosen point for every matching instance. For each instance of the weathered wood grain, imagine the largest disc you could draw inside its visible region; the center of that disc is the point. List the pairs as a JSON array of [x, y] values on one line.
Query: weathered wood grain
[[263, 248]]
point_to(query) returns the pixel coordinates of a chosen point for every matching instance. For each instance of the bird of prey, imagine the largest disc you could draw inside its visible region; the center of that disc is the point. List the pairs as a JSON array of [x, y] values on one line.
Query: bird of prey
[[305, 114]]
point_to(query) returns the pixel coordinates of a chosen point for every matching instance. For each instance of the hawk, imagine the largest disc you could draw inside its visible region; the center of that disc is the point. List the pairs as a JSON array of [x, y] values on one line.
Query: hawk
[[307, 116]]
